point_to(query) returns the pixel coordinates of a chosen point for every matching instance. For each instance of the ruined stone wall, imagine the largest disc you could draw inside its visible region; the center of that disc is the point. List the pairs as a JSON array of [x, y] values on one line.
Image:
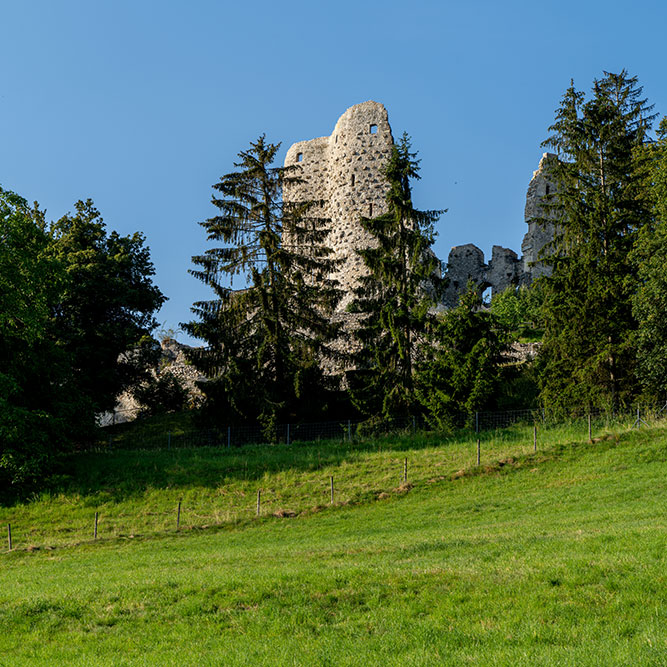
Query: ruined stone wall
[[345, 171], [542, 186], [466, 262]]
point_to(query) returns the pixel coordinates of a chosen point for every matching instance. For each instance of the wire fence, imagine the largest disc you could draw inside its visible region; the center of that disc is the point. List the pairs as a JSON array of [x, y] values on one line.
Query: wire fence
[[350, 430]]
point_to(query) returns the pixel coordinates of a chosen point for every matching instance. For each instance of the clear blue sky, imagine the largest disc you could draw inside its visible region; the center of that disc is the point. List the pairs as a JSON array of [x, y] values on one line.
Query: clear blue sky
[[141, 105]]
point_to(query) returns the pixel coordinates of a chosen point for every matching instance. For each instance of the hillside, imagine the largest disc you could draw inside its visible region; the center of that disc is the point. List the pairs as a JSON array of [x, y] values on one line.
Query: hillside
[[549, 558]]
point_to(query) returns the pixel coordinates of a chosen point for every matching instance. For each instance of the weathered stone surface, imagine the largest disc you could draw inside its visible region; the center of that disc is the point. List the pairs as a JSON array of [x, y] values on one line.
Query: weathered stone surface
[[344, 171], [540, 229], [171, 361]]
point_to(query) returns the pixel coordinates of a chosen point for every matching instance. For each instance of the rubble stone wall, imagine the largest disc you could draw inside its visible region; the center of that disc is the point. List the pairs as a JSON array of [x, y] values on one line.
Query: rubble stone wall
[[344, 170]]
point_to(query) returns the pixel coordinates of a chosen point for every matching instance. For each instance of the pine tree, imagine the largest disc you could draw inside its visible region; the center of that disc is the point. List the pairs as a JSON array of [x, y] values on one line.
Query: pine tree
[[395, 298], [588, 355], [267, 340]]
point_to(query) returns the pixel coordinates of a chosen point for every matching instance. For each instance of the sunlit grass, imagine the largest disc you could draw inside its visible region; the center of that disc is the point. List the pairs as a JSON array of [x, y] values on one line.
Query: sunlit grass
[[554, 558]]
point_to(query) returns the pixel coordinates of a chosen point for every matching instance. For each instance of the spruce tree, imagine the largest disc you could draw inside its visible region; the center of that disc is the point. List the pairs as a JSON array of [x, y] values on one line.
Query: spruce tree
[[588, 355], [650, 258], [396, 296], [461, 371], [266, 341]]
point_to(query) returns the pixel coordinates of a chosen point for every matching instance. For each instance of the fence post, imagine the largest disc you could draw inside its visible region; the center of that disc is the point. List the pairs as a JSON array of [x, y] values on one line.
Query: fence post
[[178, 516], [259, 499], [478, 451], [349, 431], [590, 429], [95, 530], [476, 422], [9, 535], [229, 437], [288, 434], [535, 437], [405, 471], [332, 490]]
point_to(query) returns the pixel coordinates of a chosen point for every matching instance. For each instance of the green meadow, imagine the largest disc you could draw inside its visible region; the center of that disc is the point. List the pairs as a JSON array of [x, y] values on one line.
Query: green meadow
[[554, 557]]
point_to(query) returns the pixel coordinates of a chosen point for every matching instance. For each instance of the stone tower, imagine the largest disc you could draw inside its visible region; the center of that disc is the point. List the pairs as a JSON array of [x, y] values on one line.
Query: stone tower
[[540, 229], [344, 170]]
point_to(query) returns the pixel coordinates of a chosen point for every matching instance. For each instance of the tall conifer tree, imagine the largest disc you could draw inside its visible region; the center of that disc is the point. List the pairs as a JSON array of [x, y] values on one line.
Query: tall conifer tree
[[588, 354], [396, 296], [265, 341], [650, 256]]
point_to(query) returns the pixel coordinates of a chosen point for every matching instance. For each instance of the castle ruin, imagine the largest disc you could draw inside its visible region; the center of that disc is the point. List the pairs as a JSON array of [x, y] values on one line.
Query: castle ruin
[[344, 172]]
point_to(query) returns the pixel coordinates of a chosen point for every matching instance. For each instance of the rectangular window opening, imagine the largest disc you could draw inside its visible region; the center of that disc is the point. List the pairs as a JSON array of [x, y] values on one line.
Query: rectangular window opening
[[299, 157], [374, 129]]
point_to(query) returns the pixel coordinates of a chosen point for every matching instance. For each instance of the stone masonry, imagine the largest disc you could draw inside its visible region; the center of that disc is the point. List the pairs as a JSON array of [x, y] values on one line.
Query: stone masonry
[[344, 171]]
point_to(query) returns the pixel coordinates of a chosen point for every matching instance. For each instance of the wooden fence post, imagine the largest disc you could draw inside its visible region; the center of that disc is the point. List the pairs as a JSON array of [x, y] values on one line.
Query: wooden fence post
[[95, 529], [9, 535], [478, 451], [590, 429], [178, 516], [332, 490], [259, 500], [535, 437], [405, 471], [229, 437]]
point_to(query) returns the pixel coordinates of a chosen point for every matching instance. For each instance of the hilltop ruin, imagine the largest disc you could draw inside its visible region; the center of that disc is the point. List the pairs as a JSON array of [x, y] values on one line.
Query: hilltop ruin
[[344, 171]]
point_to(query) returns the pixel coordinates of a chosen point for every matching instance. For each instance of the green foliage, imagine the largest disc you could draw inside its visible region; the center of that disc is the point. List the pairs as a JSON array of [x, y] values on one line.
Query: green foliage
[[106, 309], [460, 371], [162, 393], [33, 373], [650, 257], [396, 296], [518, 310], [266, 341], [72, 299], [589, 353]]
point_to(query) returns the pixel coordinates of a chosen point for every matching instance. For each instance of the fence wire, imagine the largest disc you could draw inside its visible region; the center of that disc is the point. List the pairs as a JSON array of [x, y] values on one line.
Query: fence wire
[[351, 430]]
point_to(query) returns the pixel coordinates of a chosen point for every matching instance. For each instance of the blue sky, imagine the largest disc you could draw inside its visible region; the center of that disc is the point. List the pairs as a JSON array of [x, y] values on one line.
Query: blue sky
[[142, 105]]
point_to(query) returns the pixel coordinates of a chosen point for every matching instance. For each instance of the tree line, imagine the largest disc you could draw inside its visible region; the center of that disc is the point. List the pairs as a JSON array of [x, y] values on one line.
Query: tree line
[[77, 303], [599, 314], [76, 312]]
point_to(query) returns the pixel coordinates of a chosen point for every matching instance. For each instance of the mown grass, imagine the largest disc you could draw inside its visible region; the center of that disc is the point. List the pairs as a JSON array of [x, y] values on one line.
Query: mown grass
[[549, 559]]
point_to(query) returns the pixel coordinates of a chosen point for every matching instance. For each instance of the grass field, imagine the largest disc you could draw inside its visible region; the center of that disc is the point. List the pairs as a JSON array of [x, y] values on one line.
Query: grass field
[[554, 558]]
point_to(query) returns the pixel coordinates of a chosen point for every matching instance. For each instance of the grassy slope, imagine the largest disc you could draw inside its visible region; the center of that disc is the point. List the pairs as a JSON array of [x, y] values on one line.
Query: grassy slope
[[554, 559]]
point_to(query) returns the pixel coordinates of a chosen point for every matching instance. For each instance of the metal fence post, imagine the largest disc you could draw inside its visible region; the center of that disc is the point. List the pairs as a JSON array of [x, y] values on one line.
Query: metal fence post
[[288, 434], [229, 437], [476, 422]]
